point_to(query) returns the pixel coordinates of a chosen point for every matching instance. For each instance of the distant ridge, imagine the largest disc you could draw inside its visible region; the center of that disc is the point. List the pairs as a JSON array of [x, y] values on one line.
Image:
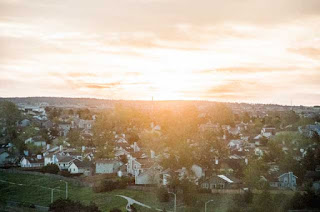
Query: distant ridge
[[95, 102]]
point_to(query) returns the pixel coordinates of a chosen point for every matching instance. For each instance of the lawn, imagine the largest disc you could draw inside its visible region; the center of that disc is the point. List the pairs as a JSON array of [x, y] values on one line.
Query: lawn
[[32, 191]]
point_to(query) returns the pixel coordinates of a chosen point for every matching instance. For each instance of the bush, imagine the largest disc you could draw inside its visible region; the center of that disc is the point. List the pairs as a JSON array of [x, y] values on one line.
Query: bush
[[115, 210], [62, 205], [248, 196], [162, 194], [204, 191], [110, 185], [66, 174], [50, 168]]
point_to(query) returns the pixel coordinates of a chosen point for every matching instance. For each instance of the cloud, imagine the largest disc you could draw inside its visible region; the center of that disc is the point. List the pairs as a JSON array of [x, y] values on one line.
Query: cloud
[[311, 52], [100, 86], [254, 69]]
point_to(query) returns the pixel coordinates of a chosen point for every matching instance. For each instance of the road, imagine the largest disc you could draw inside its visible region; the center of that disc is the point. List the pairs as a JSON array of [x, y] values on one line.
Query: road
[[132, 201]]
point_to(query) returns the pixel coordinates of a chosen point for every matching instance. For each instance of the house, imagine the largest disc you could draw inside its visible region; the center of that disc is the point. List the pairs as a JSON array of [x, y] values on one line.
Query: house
[[7, 157], [25, 123], [155, 128], [285, 181], [86, 124], [312, 129], [82, 124], [65, 162], [209, 127], [135, 166], [3, 156], [47, 124], [150, 176], [32, 162], [80, 167], [221, 182], [64, 129], [234, 131], [107, 166], [235, 144], [37, 141], [268, 131], [313, 177]]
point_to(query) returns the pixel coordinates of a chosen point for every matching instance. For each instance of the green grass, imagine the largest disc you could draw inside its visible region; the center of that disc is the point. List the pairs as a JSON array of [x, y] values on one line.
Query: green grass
[[31, 192]]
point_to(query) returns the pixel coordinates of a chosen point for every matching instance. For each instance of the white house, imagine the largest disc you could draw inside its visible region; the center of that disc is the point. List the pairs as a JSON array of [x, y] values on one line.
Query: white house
[[268, 131], [65, 162], [37, 141], [32, 162], [149, 176], [107, 166], [80, 167], [64, 129], [235, 144]]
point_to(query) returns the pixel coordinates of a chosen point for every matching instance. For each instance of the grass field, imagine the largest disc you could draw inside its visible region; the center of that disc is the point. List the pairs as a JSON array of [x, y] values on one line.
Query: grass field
[[30, 191]]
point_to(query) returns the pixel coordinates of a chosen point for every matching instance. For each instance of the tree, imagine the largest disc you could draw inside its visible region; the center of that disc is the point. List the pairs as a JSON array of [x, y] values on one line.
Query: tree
[[163, 195], [104, 134], [246, 117], [50, 168], [263, 202], [10, 113], [222, 114], [115, 210], [74, 137], [289, 118], [62, 205], [253, 172]]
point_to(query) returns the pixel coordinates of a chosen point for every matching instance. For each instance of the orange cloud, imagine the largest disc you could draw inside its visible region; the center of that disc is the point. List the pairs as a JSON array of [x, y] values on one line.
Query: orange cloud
[[311, 52]]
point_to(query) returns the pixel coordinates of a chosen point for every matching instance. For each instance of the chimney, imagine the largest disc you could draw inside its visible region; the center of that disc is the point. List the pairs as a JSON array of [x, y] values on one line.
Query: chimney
[[61, 148], [152, 154], [26, 152], [83, 148], [135, 147], [48, 146]]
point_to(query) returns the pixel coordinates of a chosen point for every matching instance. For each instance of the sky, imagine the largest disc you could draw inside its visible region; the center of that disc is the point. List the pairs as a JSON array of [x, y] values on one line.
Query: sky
[[255, 51]]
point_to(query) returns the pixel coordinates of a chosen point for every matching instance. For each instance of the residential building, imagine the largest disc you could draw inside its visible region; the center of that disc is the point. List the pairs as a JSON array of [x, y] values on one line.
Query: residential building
[[80, 167], [107, 166]]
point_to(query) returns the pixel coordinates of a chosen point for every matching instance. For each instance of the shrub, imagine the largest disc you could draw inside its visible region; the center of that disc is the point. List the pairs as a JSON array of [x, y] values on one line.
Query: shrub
[[204, 191], [115, 210], [110, 185], [162, 194], [62, 205], [65, 174], [50, 168]]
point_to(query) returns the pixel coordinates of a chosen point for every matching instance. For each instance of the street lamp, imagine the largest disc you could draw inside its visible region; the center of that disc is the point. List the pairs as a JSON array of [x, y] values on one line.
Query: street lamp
[[66, 187], [52, 189], [175, 201], [205, 205]]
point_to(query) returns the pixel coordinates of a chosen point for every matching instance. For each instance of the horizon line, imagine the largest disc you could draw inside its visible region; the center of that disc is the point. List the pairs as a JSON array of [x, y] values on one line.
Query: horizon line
[[168, 100]]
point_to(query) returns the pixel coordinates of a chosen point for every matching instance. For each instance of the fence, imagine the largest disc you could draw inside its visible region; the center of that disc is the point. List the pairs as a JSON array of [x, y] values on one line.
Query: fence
[[227, 191], [58, 177]]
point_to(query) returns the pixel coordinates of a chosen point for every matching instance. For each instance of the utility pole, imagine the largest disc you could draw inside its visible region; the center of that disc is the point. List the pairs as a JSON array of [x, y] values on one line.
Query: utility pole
[[52, 189], [66, 187], [205, 205], [175, 201]]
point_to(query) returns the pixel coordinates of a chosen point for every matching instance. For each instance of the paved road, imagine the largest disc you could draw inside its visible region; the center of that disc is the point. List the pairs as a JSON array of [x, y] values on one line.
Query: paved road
[[132, 201]]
